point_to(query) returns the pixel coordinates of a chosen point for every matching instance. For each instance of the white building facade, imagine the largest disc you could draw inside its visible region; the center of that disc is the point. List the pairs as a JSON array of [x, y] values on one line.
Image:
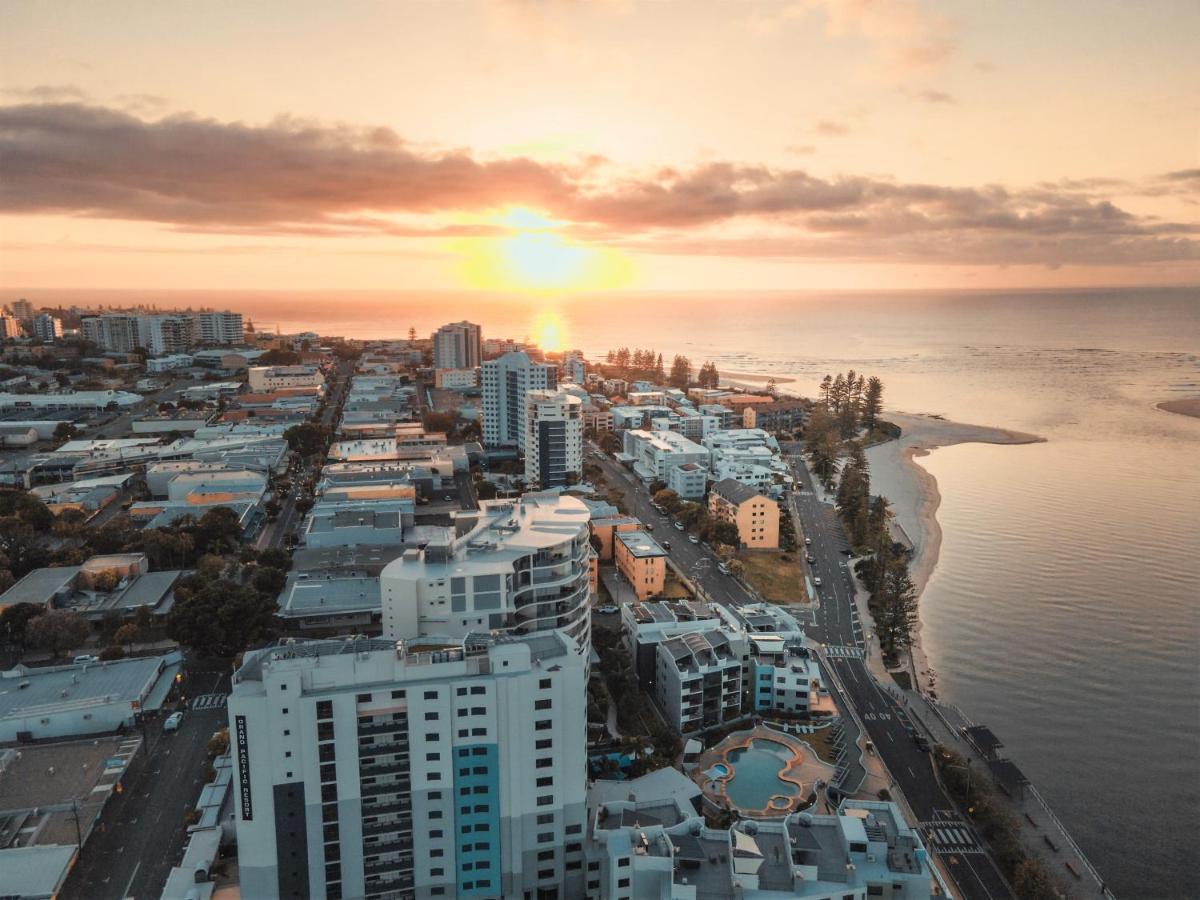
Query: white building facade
[[457, 346], [554, 438], [270, 378], [46, 328], [506, 380], [218, 328]]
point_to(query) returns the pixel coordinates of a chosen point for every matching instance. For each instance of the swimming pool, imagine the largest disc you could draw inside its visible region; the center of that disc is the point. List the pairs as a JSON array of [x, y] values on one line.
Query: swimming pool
[[756, 775]]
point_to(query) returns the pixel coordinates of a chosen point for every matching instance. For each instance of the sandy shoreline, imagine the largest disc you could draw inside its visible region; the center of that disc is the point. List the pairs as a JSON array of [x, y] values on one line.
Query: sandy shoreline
[[1181, 407], [915, 498]]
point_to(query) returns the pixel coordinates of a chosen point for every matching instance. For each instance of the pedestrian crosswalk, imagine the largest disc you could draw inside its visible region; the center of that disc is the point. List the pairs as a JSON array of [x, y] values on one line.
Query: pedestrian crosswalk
[[951, 836], [209, 701], [854, 652]]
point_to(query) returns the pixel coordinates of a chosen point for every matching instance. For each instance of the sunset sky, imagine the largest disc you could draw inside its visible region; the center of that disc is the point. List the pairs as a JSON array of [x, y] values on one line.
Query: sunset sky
[[558, 145]]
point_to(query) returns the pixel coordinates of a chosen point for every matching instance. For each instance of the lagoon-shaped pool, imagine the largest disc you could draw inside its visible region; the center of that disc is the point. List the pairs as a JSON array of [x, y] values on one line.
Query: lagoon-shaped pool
[[756, 775]]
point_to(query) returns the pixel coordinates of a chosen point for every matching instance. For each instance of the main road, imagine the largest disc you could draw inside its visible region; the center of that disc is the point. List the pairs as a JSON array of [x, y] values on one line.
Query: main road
[[889, 728]]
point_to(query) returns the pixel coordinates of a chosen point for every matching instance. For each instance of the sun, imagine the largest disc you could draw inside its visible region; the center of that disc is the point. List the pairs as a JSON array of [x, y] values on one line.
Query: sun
[[549, 331], [536, 256]]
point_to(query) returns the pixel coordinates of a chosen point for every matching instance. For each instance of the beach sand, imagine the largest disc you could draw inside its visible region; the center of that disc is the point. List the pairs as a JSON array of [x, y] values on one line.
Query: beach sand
[[915, 498], [1181, 407]]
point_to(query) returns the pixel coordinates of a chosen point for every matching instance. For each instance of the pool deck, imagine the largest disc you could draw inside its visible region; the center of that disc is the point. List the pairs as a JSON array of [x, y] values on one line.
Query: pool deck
[[802, 770]]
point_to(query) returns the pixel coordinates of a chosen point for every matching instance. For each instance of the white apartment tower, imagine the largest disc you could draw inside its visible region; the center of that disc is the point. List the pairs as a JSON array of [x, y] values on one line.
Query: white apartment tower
[[162, 335], [506, 380], [445, 759], [514, 567], [457, 346], [218, 328], [411, 769], [120, 334], [46, 328], [553, 439]]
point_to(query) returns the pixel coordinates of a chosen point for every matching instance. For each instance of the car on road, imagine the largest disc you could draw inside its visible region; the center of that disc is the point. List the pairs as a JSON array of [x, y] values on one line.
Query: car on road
[[722, 568], [679, 526], [817, 580], [649, 526], [606, 610], [811, 560], [808, 542], [171, 723], [693, 539], [86, 658], [666, 545]]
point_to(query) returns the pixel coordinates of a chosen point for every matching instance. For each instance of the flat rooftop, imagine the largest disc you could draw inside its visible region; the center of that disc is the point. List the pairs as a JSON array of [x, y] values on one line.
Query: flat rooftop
[[640, 544], [77, 686], [39, 585], [329, 595]]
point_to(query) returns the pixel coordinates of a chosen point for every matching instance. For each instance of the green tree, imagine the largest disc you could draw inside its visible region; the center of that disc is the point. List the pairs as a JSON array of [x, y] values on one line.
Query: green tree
[[722, 531], [127, 634], [14, 624], [270, 581], [21, 545], [307, 439], [217, 531], [64, 431], [276, 559], [667, 499], [681, 372], [106, 582], [57, 631], [278, 357], [872, 404], [444, 422]]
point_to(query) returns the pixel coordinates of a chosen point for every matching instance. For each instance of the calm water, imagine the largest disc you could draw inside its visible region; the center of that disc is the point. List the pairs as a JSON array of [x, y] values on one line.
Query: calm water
[[1065, 609], [756, 775]]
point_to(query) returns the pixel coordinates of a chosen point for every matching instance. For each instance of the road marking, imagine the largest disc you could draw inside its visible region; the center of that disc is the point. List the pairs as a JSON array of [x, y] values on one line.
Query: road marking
[[129, 883]]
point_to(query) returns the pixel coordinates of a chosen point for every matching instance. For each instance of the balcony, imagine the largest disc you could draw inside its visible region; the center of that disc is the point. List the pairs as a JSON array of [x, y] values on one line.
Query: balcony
[[399, 845], [403, 786], [391, 871], [401, 824], [399, 767], [400, 726], [384, 809], [391, 748]]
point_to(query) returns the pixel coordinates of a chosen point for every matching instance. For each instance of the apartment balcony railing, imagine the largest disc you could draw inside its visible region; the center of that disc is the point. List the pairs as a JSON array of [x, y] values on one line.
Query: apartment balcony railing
[[402, 824], [392, 871], [380, 808], [403, 786], [384, 768], [391, 748], [399, 845], [400, 726]]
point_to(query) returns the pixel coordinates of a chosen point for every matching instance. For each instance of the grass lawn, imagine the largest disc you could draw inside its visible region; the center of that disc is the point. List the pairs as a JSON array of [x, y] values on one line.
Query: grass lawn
[[903, 679], [777, 581], [821, 742], [673, 588]]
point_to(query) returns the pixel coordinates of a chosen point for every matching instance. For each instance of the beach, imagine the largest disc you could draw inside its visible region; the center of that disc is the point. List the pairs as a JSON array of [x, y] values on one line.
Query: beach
[[914, 496]]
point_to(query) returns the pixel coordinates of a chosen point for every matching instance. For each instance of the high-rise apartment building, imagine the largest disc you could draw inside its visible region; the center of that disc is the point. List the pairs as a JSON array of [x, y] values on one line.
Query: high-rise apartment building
[[10, 326], [517, 567], [119, 333], [445, 759], [22, 310], [553, 439], [457, 346], [161, 335], [218, 328], [46, 328], [506, 380], [434, 767]]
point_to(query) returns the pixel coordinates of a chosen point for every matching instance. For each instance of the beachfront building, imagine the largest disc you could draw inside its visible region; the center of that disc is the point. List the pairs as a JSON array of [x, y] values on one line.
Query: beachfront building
[[641, 561], [784, 676], [46, 328], [554, 439], [517, 567], [410, 768], [218, 328], [506, 380], [116, 333], [698, 680], [755, 516]]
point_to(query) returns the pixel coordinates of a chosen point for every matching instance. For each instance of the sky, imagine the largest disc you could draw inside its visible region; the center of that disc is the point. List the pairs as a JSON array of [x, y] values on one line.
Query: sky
[[558, 145]]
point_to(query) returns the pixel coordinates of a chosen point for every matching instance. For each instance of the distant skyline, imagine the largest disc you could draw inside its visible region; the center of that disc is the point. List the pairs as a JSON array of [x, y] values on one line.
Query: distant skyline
[[558, 146]]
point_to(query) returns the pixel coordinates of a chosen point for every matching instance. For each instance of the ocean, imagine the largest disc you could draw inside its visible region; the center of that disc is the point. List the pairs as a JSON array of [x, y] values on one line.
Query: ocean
[[1065, 608]]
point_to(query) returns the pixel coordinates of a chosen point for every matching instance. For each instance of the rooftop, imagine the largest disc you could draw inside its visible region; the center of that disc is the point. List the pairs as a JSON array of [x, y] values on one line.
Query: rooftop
[[640, 544], [25, 691], [328, 595], [40, 585], [734, 491]]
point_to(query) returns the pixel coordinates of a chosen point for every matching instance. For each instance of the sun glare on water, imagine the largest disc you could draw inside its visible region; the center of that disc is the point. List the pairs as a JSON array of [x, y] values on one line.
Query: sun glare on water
[[536, 256]]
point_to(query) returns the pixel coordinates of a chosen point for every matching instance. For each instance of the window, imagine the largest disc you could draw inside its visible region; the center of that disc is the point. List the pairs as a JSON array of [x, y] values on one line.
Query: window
[[545, 873], [479, 710], [463, 751], [622, 882], [544, 684], [544, 744], [397, 695], [437, 870], [433, 757], [623, 862], [432, 736], [436, 852], [433, 776], [479, 751], [545, 762], [324, 709], [435, 795], [435, 833], [478, 732], [478, 689], [463, 732], [545, 800], [285, 710], [431, 695], [435, 814], [460, 692], [431, 716], [543, 704], [545, 782], [363, 698], [481, 770], [574, 829], [545, 837], [543, 725], [545, 819]]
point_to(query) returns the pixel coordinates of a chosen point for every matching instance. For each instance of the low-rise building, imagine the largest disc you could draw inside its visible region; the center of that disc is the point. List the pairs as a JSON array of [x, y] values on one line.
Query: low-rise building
[[158, 364], [698, 680], [782, 415], [604, 528], [89, 698], [270, 378], [785, 677], [456, 379], [755, 516], [331, 602], [42, 587], [689, 481], [641, 561], [82, 400], [646, 625], [348, 523], [654, 453]]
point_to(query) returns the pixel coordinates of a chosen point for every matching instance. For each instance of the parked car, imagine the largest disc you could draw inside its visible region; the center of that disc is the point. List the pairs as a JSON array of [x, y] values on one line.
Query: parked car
[[693, 539], [649, 526], [811, 559], [172, 721], [723, 568], [817, 580], [85, 658], [808, 542], [666, 545], [607, 610], [679, 526]]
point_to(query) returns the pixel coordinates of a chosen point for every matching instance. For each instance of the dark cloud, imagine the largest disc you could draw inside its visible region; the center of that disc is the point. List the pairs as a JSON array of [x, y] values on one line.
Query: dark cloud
[[295, 177]]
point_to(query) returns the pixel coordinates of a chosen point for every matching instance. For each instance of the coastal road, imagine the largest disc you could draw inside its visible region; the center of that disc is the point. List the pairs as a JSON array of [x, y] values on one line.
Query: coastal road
[[887, 725]]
